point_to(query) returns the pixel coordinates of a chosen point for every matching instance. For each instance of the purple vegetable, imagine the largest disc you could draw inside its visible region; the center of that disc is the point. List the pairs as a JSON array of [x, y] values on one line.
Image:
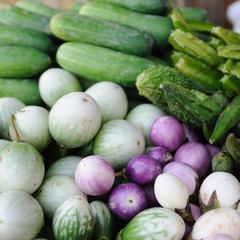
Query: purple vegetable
[[167, 131], [196, 211], [161, 154], [188, 229], [214, 150], [185, 172], [94, 175], [219, 236], [149, 190], [143, 169], [127, 200], [190, 134], [196, 155]]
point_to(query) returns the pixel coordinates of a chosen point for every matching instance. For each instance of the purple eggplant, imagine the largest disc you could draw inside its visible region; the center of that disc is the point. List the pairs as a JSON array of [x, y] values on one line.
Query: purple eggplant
[[195, 154], [195, 211], [149, 190], [127, 200], [213, 149], [161, 154], [143, 169], [190, 134], [167, 131], [185, 172]]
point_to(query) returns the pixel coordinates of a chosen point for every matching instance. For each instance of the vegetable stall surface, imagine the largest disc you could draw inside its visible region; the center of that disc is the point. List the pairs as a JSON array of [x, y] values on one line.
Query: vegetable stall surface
[[119, 120]]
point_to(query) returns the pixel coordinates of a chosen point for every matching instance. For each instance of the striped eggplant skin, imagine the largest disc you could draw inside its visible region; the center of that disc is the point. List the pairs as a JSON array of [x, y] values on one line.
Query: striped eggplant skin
[[21, 216], [154, 224], [73, 220], [104, 221]]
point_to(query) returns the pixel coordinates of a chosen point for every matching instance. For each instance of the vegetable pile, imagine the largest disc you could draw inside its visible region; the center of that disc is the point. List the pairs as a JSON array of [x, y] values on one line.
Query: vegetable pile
[[119, 119]]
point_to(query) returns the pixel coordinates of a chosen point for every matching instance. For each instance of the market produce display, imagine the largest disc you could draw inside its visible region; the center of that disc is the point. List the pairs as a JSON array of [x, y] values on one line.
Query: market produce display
[[119, 120]]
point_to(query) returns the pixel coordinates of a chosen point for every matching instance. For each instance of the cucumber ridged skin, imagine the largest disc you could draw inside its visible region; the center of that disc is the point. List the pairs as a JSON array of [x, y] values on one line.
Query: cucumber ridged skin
[[151, 7], [124, 38], [101, 64], [15, 16], [10, 35], [25, 90], [22, 62], [228, 118], [158, 26]]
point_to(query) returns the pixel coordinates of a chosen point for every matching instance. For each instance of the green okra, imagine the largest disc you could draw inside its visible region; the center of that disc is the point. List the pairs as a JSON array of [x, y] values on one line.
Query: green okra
[[149, 83], [201, 26], [206, 131], [230, 67], [203, 74], [191, 106], [223, 162], [229, 51], [227, 35], [233, 147], [188, 43], [231, 85], [178, 21], [227, 119], [215, 42], [193, 13]]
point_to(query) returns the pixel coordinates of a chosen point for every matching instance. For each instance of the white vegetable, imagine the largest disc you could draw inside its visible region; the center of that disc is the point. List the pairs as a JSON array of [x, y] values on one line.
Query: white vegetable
[[21, 216], [170, 191], [55, 83], [219, 220], [111, 99], [3, 143], [31, 123], [8, 105], [225, 184], [142, 116], [74, 120]]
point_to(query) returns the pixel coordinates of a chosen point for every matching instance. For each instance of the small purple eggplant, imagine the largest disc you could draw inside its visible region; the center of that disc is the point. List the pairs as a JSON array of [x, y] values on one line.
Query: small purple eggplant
[[190, 134], [127, 200], [161, 154], [213, 149], [143, 169], [149, 190]]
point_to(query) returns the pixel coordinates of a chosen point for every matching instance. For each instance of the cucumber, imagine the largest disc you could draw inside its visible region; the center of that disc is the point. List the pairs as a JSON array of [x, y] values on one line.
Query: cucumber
[[25, 90], [104, 221], [75, 6], [101, 64], [10, 35], [22, 62], [157, 26], [154, 223], [37, 7], [15, 16], [149, 6], [73, 219], [75, 27], [193, 13]]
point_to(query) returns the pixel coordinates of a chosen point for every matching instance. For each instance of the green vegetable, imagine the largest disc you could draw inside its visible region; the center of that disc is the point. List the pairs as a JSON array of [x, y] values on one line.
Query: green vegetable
[[227, 119], [232, 145], [151, 6], [101, 64], [25, 90], [231, 85], [75, 6], [10, 35], [228, 36], [191, 106], [231, 67], [149, 83], [198, 71], [223, 162], [229, 51], [215, 42], [201, 26], [15, 16], [157, 26], [189, 44], [75, 27], [193, 13]]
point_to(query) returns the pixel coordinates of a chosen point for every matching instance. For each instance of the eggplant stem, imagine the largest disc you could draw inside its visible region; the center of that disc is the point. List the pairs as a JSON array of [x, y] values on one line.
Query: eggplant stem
[[13, 128]]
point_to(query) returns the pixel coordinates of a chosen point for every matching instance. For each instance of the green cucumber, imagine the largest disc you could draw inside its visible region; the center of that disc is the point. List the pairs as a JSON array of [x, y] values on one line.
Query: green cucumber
[[193, 13], [101, 64], [10, 35], [25, 90], [104, 221], [157, 26], [22, 62], [149, 6], [124, 38], [154, 224], [75, 6], [15, 16], [73, 219], [37, 7]]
